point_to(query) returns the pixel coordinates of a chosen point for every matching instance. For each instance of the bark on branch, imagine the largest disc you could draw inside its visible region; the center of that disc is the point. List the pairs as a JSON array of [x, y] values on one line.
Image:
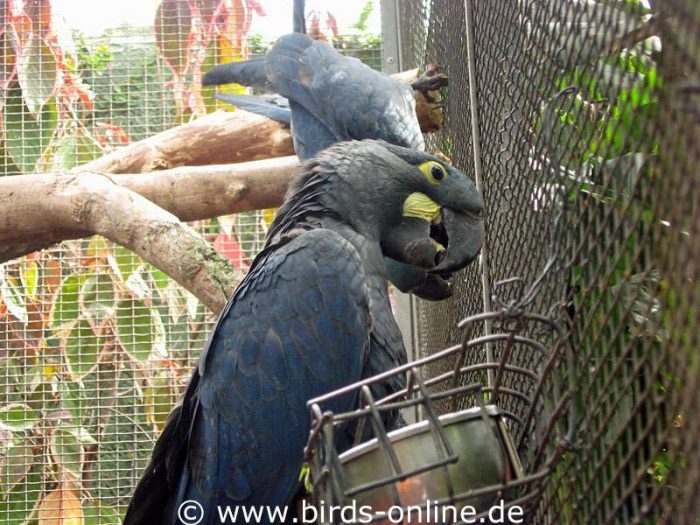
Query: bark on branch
[[217, 138], [39, 210]]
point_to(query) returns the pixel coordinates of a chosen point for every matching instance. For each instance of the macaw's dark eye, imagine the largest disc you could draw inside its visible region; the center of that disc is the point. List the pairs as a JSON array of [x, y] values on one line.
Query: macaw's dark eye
[[437, 172], [433, 171]]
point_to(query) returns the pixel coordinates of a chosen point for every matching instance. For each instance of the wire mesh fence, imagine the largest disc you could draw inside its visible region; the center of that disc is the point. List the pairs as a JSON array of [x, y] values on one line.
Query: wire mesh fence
[[580, 120], [96, 345]]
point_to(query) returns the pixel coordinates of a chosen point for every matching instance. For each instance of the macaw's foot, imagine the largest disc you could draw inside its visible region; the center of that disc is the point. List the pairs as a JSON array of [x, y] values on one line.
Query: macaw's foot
[[430, 80]]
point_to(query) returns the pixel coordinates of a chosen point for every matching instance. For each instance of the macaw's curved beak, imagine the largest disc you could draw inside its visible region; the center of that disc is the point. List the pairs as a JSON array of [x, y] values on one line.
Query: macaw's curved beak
[[410, 242], [462, 234], [422, 256]]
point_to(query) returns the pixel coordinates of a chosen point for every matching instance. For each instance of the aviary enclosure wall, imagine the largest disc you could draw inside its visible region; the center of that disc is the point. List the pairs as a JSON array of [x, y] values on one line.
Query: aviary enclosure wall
[[580, 121]]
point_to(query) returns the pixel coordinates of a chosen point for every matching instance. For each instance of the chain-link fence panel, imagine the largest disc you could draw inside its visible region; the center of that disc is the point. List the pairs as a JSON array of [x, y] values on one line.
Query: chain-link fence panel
[[579, 121]]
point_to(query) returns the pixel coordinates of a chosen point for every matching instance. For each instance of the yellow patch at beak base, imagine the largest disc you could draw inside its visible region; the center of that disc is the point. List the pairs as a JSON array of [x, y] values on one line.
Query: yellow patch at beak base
[[421, 206]]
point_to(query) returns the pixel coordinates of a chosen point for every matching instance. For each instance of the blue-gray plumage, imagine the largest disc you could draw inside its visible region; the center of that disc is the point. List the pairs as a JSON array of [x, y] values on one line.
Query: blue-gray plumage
[[346, 98], [334, 98], [301, 323]]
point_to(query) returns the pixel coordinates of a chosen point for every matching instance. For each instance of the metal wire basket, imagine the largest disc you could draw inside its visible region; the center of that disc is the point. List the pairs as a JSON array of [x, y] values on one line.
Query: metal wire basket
[[506, 399]]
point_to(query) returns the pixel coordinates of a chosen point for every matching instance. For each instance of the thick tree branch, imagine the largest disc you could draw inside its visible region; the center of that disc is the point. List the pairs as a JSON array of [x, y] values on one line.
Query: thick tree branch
[[217, 138], [190, 193], [202, 192], [223, 138], [42, 209]]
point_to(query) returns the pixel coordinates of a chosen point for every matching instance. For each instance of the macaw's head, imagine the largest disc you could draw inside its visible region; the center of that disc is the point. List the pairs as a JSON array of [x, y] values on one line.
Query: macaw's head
[[426, 214], [441, 231]]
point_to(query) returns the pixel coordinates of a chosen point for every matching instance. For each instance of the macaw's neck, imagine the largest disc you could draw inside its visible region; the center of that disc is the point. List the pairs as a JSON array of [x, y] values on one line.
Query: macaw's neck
[[316, 216]]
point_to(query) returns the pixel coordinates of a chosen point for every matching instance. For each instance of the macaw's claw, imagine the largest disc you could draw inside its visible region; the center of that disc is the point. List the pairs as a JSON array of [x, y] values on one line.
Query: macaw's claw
[[430, 80]]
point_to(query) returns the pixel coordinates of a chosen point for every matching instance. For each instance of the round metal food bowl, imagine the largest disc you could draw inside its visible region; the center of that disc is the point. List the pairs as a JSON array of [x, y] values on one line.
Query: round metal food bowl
[[495, 418], [482, 456]]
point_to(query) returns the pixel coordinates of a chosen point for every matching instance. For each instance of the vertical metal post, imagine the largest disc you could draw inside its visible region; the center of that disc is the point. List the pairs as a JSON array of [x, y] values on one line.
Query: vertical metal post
[[478, 170], [391, 36], [404, 304]]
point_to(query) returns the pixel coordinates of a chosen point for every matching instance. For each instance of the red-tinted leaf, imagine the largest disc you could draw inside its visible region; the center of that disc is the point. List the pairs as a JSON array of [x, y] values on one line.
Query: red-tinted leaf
[[9, 44], [39, 12], [111, 134], [228, 247], [242, 17], [213, 12], [173, 28], [332, 23], [61, 506], [255, 6]]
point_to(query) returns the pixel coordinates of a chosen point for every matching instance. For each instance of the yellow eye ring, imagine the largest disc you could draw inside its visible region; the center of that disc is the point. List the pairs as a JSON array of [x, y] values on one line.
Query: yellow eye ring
[[433, 171]]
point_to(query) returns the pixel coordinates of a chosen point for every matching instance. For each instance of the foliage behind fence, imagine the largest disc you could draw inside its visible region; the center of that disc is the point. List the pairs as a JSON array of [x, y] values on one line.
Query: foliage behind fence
[[581, 121], [96, 345]]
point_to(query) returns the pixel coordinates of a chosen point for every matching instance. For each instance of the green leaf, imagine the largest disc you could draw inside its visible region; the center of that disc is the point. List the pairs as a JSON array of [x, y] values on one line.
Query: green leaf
[[135, 328], [29, 274], [27, 137], [98, 513], [66, 450], [74, 150], [17, 417], [160, 279], [82, 349], [14, 299], [66, 306], [126, 262], [73, 399], [83, 436], [22, 499], [16, 465], [97, 296], [37, 72], [176, 301]]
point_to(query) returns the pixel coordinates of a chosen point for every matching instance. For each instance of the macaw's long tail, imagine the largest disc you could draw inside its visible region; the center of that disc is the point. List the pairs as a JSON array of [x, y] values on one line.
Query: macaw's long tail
[[246, 72], [259, 106]]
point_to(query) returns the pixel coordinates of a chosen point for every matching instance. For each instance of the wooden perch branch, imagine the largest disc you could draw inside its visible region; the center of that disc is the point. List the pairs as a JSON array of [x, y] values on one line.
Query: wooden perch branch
[[223, 138], [202, 192], [42, 209], [217, 138]]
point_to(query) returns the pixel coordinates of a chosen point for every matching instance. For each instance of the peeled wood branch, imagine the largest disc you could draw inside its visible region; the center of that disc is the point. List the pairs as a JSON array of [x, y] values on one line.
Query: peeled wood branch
[[223, 138], [217, 138], [50, 208], [202, 192]]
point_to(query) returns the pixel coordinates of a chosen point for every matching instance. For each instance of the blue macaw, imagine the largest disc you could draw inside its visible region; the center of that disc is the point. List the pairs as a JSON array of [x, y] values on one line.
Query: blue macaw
[[302, 323], [330, 98]]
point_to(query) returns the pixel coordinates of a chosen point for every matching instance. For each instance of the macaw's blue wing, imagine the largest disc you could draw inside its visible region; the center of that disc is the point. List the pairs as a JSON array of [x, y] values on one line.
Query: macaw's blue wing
[[297, 327], [310, 135], [266, 106], [250, 73], [351, 99]]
